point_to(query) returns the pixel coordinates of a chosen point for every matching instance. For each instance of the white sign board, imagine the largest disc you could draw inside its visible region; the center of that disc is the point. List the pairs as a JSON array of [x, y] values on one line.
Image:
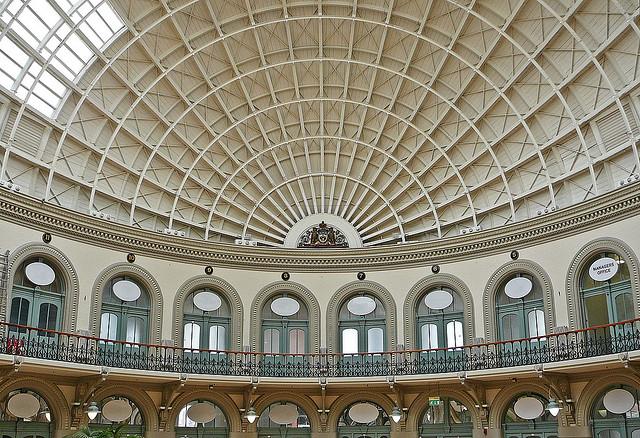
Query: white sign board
[[603, 269]]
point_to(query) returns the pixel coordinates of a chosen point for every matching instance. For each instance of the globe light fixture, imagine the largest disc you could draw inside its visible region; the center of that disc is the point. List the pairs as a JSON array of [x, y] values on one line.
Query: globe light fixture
[[251, 415], [396, 414], [93, 410], [553, 407]]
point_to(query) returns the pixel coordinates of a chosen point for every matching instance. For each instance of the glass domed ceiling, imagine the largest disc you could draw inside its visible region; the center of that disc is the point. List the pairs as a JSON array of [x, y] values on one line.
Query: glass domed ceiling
[[412, 120]]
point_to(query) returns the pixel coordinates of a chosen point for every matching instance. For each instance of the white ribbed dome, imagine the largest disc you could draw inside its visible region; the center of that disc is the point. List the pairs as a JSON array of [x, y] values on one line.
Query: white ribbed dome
[[412, 120]]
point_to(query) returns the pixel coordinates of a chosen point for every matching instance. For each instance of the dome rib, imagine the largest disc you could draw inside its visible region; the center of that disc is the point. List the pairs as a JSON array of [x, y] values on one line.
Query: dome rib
[[411, 120]]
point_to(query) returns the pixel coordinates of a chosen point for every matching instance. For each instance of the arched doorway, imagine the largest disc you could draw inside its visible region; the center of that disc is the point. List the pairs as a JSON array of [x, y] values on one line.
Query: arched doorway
[[616, 413], [25, 414], [527, 417], [201, 418], [364, 419], [116, 410], [283, 419], [446, 418]]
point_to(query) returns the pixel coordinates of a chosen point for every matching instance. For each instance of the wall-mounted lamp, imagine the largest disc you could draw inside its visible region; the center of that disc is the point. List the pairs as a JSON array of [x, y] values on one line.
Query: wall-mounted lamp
[[93, 410], [396, 414], [553, 407], [251, 415]]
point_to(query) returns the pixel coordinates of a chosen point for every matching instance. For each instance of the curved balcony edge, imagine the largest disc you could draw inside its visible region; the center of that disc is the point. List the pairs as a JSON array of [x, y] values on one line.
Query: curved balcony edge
[[619, 339]]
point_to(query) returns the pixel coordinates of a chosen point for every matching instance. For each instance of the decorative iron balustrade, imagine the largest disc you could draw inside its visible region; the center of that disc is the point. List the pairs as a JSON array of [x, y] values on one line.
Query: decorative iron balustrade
[[66, 347]]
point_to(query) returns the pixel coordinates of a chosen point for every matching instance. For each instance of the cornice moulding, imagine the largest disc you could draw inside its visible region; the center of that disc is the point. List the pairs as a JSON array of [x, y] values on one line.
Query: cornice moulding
[[604, 209]]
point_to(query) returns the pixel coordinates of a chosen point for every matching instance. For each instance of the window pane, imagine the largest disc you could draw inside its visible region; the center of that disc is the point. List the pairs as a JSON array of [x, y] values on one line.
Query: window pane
[[183, 419], [296, 341], [191, 335], [349, 341], [109, 326], [511, 327], [624, 307], [47, 316], [536, 323], [19, 311], [375, 340], [134, 329], [271, 340], [217, 337], [429, 334], [609, 433], [596, 310], [454, 334]]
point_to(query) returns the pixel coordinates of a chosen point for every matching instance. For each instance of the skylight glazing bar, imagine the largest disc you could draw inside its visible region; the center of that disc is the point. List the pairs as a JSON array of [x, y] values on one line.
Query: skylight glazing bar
[[50, 27]]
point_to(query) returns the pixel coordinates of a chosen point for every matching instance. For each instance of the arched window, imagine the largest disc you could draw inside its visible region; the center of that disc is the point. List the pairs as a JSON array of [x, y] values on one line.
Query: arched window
[[285, 325], [446, 417], [206, 419], [364, 419], [283, 419], [125, 311], [37, 297], [362, 325], [527, 417], [25, 414], [440, 319], [207, 320], [605, 290], [119, 410], [520, 308], [616, 413]]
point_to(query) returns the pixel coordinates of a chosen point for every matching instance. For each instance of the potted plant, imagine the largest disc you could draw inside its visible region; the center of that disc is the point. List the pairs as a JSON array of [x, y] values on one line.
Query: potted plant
[[115, 431]]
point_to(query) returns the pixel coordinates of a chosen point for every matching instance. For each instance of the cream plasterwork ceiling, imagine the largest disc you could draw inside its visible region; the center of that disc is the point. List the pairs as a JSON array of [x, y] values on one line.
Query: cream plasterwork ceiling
[[412, 120]]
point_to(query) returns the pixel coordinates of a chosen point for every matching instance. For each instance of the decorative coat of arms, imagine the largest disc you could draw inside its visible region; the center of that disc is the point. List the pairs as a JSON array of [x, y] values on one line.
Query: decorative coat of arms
[[323, 236]]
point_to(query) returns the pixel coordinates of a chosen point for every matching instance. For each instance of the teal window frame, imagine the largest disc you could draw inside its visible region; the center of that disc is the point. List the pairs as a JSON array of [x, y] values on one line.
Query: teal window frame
[[440, 319], [36, 296], [520, 309], [612, 290], [362, 324], [284, 324], [124, 311], [207, 320]]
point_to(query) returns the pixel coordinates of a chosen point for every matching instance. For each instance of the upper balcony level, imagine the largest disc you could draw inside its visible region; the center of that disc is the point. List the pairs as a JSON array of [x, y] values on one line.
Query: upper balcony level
[[612, 339]]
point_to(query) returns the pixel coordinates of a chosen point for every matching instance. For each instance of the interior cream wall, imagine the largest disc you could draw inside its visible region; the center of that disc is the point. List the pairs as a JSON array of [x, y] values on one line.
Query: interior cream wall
[[555, 257]]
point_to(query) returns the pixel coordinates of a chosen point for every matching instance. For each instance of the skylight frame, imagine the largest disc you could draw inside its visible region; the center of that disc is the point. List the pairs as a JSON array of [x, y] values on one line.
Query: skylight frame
[[58, 45]]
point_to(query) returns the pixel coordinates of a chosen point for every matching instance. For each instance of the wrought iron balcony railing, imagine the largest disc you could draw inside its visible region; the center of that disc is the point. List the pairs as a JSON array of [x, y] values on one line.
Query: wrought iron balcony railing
[[66, 347]]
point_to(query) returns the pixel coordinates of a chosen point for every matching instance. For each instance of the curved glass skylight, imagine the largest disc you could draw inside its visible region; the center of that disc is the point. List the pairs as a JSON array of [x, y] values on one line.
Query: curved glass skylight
[[45, 45]]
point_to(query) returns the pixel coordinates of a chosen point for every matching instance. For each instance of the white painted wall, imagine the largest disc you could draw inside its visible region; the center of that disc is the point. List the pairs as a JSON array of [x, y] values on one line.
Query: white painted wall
[[554, 257]]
